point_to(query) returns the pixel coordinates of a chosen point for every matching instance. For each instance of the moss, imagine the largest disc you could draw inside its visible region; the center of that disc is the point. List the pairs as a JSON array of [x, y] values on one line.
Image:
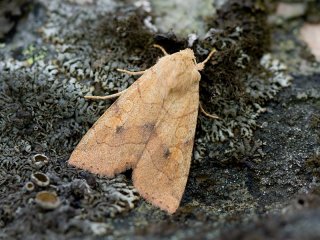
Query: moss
[[315, 121], [313, 163], [128, 29]]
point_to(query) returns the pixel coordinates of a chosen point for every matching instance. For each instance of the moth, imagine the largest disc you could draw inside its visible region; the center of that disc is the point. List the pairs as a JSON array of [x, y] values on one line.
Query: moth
[[149, 128]]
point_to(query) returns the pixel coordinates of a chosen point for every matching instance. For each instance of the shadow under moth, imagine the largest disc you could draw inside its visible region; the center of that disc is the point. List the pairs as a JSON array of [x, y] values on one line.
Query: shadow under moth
[[149, 128]]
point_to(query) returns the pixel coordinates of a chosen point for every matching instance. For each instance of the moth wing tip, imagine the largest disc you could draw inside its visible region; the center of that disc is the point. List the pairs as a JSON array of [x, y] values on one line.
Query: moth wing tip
[[164, 201], [72, 160]]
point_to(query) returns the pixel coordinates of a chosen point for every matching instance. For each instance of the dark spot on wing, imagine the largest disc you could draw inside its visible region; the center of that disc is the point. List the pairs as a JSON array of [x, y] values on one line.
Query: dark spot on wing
[[188, 142], [148, 127], [119, 129], [166, 153]]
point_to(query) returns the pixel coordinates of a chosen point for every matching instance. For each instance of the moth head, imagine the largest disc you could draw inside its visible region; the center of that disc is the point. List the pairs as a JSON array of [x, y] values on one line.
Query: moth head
[[180, 70], [186, 57], [190, 60]]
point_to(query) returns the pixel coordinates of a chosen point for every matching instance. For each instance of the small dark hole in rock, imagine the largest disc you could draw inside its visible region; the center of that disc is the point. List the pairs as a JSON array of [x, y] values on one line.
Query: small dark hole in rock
[[301, 201]]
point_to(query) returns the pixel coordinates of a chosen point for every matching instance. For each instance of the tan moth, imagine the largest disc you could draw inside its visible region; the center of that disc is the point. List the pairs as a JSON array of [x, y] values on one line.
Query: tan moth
[[149, 128]]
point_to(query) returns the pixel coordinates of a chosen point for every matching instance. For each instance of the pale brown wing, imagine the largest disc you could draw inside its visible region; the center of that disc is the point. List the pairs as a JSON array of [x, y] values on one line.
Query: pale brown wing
[[161, 173], [151, 130], [118, 138]]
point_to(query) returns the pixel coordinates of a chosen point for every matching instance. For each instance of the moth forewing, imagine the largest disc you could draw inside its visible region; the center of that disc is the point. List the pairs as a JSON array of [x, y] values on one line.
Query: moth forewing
[[150, 128]]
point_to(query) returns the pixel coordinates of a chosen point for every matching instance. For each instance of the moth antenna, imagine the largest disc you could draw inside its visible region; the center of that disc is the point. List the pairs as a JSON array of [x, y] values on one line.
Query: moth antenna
[[200, 65], [161, 48], [130, 72], [213, 116], [105, 97]]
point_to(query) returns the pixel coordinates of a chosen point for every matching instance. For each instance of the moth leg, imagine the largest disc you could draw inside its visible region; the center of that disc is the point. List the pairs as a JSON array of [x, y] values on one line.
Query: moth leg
[[161, 48], [116, 94], [213, 116], [130, 72], [105, 97]]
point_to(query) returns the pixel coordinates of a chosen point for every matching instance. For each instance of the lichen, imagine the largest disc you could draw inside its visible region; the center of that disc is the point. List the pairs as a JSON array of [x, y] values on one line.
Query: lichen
[[42, 87]]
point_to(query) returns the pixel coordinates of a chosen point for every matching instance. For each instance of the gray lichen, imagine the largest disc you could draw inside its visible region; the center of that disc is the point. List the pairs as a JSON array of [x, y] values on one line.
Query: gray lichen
[[45, 112]]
